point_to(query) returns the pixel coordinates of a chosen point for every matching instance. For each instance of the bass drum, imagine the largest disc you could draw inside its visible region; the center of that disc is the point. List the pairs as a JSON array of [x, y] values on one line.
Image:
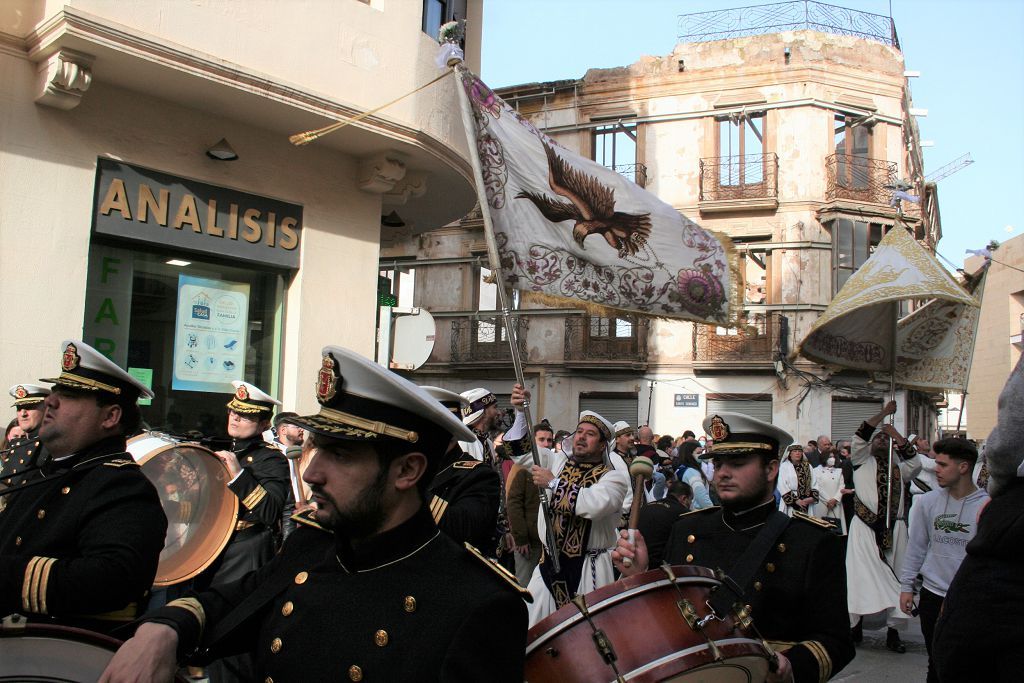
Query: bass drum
[[201, 510], [642, 621], [47, 653]]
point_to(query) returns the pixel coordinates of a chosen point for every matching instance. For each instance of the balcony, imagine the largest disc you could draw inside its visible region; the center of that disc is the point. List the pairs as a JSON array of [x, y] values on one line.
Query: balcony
[[761, 341], [739, 183], [635, 172], [484, 340], [859, 179], [592, 341]]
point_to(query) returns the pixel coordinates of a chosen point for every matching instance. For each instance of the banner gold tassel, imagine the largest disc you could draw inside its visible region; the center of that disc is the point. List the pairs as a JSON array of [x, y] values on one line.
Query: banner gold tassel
[[300, 139]]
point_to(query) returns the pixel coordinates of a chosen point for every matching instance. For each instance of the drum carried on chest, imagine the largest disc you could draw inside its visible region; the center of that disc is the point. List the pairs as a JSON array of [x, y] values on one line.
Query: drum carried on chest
[[47, 652], [644, 629], [201, 510]]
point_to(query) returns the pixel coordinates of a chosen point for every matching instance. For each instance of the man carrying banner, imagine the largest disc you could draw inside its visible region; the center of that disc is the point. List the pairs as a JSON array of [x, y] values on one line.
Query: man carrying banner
[[586, 493], [874, 554]]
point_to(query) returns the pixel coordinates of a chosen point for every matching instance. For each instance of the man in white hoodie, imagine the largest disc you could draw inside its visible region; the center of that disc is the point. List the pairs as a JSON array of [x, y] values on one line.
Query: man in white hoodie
[[942, 523]]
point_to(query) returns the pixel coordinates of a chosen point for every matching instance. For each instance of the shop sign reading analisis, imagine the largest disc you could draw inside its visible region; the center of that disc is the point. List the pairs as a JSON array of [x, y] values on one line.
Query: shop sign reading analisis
[[141, 204]]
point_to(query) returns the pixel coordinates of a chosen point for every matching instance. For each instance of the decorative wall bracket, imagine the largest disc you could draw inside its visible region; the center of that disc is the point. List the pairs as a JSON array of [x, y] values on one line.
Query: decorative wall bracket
[[63, 78], [414, 184], [379, 173]]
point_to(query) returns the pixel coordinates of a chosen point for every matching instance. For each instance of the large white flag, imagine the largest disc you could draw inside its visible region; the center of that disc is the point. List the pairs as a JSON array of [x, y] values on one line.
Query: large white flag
[[571, 230]]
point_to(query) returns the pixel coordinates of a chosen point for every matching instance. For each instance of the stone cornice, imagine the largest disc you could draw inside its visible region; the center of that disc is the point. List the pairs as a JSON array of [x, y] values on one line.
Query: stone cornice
[[83, 26]]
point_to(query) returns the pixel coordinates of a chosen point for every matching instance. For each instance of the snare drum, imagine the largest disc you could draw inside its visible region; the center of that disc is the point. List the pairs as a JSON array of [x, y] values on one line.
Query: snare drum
[[51, 653], [642, 621], [201, 510]]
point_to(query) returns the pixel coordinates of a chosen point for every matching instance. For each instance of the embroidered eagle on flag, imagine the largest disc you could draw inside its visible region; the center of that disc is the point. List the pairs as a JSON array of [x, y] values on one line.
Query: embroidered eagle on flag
[[591, 205]]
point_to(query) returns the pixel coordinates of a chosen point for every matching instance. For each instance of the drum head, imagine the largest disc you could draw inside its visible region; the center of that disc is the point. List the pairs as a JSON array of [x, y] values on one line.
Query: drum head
[[201, 510], [53, 653]]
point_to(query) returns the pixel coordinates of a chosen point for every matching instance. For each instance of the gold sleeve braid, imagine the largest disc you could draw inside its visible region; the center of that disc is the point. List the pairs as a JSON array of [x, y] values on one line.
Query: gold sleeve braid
[[254, 497], [34, 585], [193, 607]]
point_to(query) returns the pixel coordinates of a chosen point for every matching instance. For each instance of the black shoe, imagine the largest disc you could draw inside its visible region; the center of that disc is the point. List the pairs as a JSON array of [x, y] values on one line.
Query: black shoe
[[857, 632], [893, 642]]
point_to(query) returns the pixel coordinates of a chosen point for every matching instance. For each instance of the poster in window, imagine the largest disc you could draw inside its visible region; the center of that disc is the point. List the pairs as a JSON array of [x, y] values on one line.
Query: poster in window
[[210, 334]]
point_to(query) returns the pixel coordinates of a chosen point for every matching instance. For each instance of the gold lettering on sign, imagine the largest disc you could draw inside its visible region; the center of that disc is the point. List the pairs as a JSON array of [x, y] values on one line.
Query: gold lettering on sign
[[211, 220], [116, 200], [289, 237], [188, 212], [271, 228], [148, 202], [233, 221], [253, 230]]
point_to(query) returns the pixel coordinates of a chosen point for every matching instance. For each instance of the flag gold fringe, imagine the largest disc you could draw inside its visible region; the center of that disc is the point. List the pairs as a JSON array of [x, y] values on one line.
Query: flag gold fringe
[[300, 139]]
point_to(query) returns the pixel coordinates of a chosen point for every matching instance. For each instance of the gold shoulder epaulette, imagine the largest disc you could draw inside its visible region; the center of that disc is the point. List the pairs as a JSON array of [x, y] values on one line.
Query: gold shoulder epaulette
[[813, 520], [507, 576], [694, 512], [466, 464], [121, 462], [308, 518]]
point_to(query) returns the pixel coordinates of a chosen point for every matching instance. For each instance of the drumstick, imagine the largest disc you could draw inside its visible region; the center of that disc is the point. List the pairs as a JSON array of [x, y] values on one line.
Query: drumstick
[[641, 469]]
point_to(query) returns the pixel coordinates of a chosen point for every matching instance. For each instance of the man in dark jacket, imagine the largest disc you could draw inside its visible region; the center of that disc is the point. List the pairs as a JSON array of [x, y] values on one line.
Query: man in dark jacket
[[80, 543], [366, 587]]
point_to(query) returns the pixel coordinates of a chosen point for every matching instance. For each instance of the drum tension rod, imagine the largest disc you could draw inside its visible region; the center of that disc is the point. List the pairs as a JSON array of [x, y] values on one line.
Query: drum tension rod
[[601, 641], [689, 613]]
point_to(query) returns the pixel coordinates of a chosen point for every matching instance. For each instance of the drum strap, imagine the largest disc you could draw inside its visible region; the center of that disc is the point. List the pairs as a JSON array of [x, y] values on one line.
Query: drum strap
[[736, 583]]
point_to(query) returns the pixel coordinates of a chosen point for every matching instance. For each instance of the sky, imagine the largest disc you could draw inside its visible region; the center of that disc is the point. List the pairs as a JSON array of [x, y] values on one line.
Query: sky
[[969, 52]]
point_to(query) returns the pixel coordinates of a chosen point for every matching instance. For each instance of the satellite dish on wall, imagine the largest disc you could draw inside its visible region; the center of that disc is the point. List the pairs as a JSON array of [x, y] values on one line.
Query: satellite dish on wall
[[413, 333]]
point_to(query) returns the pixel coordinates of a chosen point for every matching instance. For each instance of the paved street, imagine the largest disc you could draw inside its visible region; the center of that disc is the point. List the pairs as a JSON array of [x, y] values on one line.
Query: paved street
[[875, 663]]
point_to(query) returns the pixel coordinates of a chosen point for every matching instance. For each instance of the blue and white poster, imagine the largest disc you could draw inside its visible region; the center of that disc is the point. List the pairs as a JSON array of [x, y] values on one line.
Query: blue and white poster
[[209, 334]]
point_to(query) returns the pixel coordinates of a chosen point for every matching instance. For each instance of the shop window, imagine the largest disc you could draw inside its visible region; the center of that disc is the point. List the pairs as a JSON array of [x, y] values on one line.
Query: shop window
[[741, 149], [853, 242], [187, 326]]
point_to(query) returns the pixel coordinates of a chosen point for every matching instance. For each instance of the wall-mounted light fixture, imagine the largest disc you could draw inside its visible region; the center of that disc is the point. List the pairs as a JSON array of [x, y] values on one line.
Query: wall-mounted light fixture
[[222, 151]]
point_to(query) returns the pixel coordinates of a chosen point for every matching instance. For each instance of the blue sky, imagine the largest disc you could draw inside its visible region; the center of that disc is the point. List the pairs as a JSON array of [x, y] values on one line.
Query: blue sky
[[970, 54]]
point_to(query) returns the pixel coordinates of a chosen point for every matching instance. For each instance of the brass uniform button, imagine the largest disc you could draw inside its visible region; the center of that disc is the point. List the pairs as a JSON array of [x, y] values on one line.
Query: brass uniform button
[[249, 459], [17, 541], [287, 608], [770, 567], [689, 558], [29, 452], [757, 585], [782, 547], [355, 673], [66, 490], [301, 577], [41, 513], [691, 538], [410, 604], [380, 638], [275, 645]]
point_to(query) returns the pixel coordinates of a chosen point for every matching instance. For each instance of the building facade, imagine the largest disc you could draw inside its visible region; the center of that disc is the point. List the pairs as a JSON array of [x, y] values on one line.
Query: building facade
[[791, 143], [152, 204]]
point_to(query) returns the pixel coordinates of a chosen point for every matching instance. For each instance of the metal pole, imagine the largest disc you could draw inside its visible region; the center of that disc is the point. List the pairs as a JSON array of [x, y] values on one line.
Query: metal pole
[[499, 279], [892, 418]]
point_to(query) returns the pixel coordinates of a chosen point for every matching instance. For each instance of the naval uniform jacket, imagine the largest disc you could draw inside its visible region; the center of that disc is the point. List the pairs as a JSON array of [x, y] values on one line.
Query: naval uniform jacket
[[262, 490], [798, 596], [86, 543], [26, 452], [463, 498], [408, 605]]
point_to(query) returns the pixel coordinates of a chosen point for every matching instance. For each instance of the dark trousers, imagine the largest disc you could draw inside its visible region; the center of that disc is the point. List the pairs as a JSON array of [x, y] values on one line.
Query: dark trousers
[[929, 605]]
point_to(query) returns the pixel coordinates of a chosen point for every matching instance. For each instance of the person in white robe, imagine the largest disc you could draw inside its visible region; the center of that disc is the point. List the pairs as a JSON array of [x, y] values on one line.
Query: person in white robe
[[829, 481], [797, 488], [875, 552], [586, 491]]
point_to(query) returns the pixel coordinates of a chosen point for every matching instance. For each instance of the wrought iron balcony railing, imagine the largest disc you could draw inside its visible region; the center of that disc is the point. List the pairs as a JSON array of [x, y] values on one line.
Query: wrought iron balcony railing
[[751, 176], [595, 339], [763, 340], [702, 27], [635, 172], [859, 179], [485, 339]]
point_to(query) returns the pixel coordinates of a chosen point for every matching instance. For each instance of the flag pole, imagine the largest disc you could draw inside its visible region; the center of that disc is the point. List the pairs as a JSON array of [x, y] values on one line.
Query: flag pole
[[494, 261], [892, 418]]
